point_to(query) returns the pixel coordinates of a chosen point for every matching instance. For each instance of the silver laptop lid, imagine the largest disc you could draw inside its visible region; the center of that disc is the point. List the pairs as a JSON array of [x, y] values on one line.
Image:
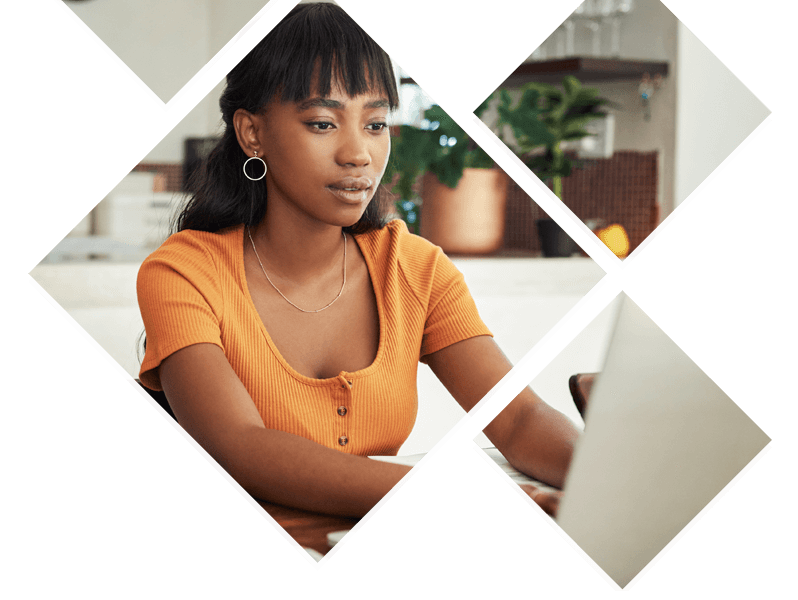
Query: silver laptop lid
[[661, 440]]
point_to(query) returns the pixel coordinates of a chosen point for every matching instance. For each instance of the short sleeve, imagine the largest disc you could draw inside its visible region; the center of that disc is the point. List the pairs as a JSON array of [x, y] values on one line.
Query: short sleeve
[[180, 301], [452, 315]]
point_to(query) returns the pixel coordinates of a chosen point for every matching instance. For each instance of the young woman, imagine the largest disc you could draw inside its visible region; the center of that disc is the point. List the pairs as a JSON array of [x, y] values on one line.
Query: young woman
[[285, 320]]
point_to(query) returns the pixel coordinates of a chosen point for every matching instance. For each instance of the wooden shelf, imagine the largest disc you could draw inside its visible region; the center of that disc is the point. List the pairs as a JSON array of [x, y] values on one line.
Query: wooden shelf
[[587, 70]]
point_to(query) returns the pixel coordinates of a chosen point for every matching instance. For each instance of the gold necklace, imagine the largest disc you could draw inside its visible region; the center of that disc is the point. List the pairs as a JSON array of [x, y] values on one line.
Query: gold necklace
[[343, 285]]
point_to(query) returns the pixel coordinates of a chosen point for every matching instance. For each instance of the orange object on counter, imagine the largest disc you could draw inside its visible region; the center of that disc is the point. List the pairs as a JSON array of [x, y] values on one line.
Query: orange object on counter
[[615, 238]]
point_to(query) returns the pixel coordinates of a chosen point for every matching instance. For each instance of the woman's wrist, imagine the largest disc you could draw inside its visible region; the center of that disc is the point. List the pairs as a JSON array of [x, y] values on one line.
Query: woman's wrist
[[312, 477]]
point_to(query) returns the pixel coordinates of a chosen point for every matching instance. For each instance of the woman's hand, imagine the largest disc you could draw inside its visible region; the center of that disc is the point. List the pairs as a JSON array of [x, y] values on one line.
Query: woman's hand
[[548, 500], [535, 439]]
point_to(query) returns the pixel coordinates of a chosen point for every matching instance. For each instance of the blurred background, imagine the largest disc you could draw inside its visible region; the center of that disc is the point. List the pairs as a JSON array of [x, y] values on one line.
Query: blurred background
[[670, 112]]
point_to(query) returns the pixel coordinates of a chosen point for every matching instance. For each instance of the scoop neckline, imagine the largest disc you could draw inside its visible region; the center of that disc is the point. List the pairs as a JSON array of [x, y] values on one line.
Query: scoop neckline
[[364, 372]]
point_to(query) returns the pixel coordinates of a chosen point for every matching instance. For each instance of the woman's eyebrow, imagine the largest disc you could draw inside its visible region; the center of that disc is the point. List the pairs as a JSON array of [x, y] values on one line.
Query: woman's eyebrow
[[330, 103]]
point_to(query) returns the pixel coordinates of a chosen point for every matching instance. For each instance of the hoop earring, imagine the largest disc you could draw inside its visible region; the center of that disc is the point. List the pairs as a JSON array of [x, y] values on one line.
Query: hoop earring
[[263, 162]]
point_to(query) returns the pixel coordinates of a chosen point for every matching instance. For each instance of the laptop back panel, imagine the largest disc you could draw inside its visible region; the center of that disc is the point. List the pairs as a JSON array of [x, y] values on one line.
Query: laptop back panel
[[661, 440]]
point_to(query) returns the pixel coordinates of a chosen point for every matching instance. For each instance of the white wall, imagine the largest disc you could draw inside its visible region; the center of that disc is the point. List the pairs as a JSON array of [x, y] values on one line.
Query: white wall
[[716, 112], [165, 42]]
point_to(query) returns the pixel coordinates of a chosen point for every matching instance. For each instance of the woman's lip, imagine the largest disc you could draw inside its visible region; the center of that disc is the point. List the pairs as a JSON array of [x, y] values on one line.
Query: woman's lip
[[352, 196], [358, 183]]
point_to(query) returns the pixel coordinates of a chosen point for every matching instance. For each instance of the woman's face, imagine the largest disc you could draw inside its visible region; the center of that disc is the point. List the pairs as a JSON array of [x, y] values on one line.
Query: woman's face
[[325, 155]]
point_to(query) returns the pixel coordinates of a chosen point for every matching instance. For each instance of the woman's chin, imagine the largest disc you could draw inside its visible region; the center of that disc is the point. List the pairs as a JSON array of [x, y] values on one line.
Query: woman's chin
[[350, 222], [351, 218]]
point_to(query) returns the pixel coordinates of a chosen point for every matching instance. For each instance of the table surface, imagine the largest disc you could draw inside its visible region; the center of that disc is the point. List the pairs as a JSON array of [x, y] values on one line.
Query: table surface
[[310, 529]]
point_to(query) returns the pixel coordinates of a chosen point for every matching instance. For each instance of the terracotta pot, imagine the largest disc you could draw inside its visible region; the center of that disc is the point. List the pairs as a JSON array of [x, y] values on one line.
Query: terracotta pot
[[468, 219]]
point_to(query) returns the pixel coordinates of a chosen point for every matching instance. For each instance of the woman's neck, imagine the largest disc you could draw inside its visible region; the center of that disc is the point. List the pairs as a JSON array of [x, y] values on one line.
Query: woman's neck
[[296, 248]]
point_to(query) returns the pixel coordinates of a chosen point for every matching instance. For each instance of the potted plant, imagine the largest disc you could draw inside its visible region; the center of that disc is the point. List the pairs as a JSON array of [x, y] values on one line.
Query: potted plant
[[462, 195], [542, 119]]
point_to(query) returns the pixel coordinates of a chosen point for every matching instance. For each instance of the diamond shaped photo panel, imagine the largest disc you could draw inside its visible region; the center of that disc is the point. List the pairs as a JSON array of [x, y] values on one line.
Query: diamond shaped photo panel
[[660, 444], [623, 112], [165, 42]]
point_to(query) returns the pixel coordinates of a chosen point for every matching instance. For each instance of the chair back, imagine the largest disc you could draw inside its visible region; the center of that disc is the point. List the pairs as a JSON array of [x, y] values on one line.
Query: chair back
[[160, 398]]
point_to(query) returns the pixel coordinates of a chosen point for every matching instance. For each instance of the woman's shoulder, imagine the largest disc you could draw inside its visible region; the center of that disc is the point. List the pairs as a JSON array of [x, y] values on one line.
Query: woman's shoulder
[[422, 264], [395, 240], [192, 247], [205, 260]]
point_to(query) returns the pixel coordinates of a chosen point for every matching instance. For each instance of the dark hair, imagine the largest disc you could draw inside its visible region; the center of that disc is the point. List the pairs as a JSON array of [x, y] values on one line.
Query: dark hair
[[313, 39]]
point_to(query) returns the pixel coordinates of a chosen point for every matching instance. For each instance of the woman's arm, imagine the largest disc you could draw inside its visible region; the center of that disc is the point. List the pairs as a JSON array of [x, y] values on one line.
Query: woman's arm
[[532, 436], [212, 405]]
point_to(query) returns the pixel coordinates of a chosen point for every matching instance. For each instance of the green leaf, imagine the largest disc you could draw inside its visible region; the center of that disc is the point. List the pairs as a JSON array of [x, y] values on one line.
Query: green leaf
[[447, 126], [478, 159], [578, 135], [483, 107], [583, 97], [525, 119], [577, 123], [449, 171], [504, 99], [545, 90], [571, 85], [549, 165]]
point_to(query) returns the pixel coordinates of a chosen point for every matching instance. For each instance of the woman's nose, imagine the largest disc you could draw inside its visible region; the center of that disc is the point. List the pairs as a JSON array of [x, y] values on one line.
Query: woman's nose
[[354, 149]]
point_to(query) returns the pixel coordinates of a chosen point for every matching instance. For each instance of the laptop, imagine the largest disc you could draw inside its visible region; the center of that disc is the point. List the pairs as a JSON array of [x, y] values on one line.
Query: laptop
[[661, 440]]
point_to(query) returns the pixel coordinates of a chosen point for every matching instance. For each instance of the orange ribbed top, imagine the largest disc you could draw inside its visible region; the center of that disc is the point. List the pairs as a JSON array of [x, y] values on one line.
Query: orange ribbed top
[[193, 290]]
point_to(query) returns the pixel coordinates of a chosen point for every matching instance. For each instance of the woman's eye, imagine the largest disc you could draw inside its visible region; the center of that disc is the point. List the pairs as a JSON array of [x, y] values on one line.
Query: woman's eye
[[326, 126]]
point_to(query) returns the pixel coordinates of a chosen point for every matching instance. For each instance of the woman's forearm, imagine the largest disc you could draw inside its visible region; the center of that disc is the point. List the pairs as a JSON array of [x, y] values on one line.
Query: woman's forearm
[[542, 443], [287, 469]]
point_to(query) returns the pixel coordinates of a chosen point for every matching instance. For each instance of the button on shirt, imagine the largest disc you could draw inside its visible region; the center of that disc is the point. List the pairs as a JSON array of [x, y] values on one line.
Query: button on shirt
[[346, 387]]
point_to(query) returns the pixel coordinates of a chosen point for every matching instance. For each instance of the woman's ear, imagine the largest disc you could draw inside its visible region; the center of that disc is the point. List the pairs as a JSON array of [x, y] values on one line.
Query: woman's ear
[[247, 128]]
